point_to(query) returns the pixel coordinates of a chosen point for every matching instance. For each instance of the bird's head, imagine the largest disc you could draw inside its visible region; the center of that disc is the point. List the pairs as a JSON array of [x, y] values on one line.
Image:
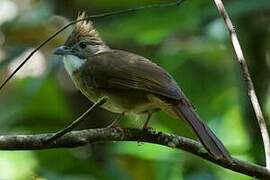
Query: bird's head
[[84, 40]]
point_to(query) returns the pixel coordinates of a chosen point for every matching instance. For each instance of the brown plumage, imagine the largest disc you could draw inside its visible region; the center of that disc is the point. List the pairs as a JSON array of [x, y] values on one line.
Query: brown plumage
[[132, 83]]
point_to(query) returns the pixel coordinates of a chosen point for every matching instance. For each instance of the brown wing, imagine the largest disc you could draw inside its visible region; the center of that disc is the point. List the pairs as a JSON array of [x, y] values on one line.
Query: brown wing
[[123, 70]]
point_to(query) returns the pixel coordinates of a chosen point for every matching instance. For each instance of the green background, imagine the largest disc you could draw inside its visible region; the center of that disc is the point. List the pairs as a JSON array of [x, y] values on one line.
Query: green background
[[189, 41]]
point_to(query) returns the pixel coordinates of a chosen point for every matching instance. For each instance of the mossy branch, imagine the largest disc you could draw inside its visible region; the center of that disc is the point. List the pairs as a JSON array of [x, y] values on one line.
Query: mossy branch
[[83, 137]]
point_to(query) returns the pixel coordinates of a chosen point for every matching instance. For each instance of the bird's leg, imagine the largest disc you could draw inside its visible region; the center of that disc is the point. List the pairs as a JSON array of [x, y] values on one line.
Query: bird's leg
[[145, 126], [71, 126], [116, 120]]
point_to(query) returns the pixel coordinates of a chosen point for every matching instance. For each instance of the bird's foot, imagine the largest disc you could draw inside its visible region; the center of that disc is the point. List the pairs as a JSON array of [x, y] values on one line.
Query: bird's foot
[[115, 123], [146, 129]]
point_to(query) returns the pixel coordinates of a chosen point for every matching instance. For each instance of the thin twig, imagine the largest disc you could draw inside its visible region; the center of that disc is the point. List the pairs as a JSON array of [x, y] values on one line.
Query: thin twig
[[250, 87], [112, 13], [76, 122], [84, 137]]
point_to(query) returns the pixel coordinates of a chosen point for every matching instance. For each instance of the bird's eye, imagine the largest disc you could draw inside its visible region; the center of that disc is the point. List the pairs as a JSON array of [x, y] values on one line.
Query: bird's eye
[[82, 45]]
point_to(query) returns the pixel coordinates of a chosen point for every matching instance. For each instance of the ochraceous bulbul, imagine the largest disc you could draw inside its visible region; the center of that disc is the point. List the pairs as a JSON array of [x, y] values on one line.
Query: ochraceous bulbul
[[132, 83]]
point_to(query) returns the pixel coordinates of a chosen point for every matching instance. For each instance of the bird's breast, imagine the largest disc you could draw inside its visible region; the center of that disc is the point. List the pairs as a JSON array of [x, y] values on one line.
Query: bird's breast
[[120, 100], [73, 65]]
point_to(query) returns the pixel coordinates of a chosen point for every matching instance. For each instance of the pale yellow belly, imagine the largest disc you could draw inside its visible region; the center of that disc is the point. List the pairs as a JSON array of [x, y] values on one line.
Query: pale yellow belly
[[121, 100]]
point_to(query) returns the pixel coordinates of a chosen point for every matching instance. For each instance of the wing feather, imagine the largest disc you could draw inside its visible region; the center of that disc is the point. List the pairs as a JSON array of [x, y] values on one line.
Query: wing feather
[[118, 69]]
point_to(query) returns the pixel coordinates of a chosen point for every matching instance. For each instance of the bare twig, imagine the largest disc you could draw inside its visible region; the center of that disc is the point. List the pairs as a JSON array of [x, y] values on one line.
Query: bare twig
[[84, 137], [76, 122], [250, 87], [102, 15]]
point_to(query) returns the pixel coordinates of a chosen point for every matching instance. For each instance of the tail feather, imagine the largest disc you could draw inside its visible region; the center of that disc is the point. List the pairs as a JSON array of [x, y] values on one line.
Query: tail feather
[[209, 140]]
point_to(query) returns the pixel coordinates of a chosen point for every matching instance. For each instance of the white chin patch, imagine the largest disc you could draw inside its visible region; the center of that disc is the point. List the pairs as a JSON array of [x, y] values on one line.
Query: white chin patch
[[72, 63]]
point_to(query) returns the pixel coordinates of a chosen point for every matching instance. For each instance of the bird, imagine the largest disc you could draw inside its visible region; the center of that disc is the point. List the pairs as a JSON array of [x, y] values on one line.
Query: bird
[[131, 82]]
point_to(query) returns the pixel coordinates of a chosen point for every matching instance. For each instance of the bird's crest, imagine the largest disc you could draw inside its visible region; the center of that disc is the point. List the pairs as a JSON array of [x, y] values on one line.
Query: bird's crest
[[84, 30]]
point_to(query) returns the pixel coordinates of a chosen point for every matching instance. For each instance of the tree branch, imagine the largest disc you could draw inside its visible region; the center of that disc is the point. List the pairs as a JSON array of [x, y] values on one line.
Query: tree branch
[[249, 84], [83, 137]]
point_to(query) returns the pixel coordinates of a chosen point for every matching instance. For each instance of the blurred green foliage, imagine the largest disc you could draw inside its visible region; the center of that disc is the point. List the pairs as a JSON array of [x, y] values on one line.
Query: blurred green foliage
[[190, 41]]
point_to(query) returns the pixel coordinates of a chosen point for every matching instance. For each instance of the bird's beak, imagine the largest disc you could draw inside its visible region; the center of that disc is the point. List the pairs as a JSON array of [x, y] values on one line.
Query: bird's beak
[[62, 50]]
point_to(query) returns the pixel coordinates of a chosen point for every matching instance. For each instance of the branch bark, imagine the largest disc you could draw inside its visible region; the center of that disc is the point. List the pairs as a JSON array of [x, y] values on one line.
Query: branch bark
[[84, 137], [249, 84]]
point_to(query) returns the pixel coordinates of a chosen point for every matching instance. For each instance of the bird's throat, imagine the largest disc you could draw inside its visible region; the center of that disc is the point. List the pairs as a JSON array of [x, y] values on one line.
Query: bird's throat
[[72, 63]]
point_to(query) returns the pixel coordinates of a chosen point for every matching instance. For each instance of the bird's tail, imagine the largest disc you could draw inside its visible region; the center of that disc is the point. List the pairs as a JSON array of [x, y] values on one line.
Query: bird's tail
[[209, 140]]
